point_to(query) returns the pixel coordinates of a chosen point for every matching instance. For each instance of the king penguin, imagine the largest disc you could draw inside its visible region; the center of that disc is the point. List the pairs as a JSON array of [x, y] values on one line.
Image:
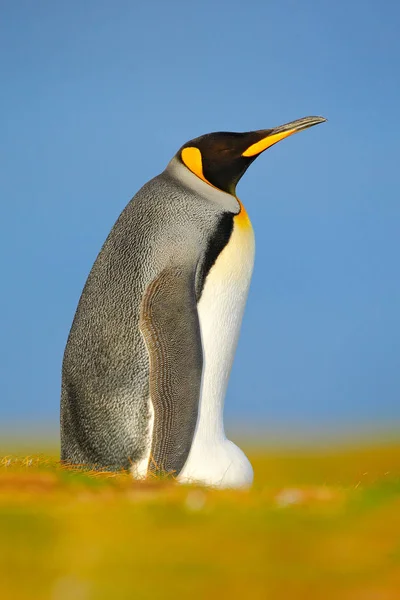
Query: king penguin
[[149, 354]]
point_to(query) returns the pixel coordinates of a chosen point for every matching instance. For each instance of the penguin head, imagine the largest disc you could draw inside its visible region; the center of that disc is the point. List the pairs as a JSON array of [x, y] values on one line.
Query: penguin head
[[220, 159]]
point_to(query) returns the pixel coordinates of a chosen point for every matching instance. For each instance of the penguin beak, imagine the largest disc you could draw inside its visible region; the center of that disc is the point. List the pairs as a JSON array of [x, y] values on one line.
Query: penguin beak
[[272, 136]]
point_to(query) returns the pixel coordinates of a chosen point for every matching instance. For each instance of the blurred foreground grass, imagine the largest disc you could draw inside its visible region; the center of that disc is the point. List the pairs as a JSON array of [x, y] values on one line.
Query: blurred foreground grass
[[316, 525]]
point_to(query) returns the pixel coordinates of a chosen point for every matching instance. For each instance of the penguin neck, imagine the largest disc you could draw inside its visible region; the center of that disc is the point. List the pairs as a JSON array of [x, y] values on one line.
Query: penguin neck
[[181, 174]]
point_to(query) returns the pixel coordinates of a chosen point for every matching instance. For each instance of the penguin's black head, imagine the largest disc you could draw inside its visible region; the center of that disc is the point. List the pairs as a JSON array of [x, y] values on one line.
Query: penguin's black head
[[221, 159]]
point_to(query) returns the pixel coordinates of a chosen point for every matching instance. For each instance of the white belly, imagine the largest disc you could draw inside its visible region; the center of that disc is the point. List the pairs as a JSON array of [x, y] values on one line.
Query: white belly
[[213, 459]]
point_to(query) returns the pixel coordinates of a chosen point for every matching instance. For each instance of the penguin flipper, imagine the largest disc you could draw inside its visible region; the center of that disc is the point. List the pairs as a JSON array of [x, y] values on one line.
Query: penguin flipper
[[170, 325]]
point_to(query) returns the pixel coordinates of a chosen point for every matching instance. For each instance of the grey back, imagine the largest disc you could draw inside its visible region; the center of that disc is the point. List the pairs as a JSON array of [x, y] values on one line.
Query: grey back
[[175, 219]]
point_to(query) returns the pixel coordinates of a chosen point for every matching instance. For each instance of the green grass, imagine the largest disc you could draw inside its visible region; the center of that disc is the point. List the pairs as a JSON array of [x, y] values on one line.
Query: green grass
[[316, 525]]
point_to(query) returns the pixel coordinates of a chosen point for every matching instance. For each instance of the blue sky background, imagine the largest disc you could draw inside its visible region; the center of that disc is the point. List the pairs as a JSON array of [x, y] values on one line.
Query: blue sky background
[[95, 99]]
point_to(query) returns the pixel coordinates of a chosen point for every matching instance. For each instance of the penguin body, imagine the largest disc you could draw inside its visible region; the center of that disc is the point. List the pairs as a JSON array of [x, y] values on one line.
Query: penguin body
[[150, 350]]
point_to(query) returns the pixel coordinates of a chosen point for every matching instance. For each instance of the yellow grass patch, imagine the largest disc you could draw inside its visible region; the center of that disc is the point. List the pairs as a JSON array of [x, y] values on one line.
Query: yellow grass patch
[[316, 525]]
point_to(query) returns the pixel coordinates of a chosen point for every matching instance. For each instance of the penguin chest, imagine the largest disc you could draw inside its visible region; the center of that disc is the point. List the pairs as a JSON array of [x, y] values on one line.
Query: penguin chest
[[213, 459], [222, 304]]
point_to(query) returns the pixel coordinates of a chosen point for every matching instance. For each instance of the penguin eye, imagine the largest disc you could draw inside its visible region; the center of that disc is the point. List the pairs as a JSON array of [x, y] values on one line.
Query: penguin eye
[[222, 148]]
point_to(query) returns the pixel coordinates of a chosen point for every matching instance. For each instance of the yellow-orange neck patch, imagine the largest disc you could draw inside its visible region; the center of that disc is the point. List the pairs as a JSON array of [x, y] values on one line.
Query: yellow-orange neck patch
[[242, 219]]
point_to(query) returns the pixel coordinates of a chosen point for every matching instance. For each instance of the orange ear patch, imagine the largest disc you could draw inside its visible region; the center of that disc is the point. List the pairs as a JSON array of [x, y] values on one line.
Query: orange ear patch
[[191, 158]]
